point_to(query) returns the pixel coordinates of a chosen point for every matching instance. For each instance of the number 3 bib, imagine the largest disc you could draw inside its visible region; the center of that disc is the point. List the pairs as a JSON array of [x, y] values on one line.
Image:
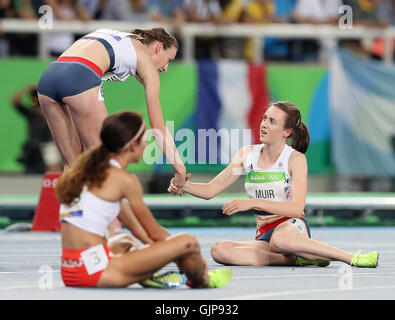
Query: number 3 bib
[[95, 259]]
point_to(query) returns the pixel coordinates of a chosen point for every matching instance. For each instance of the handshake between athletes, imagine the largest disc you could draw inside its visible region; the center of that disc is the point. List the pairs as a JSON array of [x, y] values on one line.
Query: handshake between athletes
[[177, 190]]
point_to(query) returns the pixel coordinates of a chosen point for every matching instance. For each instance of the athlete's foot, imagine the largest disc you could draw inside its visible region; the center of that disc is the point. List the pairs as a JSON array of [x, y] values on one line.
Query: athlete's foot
[[219, 277], [170, 279], [367, 260], [213, 279]]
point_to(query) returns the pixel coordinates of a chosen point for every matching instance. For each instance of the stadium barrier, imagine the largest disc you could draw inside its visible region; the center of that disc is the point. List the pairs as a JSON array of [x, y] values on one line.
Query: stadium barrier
[[322, 209], [190, 31]]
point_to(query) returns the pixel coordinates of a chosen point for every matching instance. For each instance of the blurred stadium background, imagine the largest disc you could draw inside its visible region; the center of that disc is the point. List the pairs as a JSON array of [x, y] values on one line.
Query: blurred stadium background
[[333, 58]]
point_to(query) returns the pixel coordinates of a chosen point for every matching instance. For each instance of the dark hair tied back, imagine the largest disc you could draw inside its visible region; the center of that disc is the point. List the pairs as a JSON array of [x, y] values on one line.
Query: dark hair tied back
[[300, 134], [90, 169], [156, 34]]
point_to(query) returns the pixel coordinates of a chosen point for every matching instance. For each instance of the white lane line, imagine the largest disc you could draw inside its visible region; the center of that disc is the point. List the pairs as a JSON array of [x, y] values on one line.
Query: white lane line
[[30, 271], [55, 286], [24, 250], [359, 274], [29, 255], [298, 292]]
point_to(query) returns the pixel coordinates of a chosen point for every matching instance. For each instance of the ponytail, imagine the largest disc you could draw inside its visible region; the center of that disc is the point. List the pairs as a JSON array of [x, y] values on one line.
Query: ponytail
[[89, 170], [300, 138], [149, 36]]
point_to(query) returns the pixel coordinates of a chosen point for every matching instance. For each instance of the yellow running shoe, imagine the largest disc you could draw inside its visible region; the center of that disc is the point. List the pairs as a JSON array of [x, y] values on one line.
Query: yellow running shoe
[[367, 260], [169, 279], [219, 277], [302, 262]]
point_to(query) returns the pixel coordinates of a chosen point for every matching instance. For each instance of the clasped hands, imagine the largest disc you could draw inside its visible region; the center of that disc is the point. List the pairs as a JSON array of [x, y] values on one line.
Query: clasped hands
[[177, 183]]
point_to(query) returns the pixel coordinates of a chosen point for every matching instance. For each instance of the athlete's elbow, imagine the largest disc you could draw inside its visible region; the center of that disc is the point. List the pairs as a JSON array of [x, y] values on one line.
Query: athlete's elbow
[[208, 197], [157, 130], [204, 196], [299, 212], [212, 191]]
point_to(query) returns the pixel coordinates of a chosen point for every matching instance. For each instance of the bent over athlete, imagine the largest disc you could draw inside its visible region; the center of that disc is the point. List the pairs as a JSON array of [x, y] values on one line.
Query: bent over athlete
[[70, 95]]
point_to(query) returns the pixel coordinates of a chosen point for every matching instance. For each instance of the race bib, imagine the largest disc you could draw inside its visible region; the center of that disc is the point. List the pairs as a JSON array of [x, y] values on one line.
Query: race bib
[[298, 224], [100, 95], [95, 259]]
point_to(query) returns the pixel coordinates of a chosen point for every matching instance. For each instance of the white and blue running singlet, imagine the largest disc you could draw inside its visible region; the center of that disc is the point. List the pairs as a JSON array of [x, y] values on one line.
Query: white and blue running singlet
[[272, 184], [123, 57]]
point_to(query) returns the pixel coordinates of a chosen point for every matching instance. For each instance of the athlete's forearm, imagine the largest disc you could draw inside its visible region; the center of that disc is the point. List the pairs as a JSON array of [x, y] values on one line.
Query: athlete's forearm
[[130, 221], [283, 208], [166, 143], [160, 234], [217, 185], [138, 231], [200, 190], [162, 136]]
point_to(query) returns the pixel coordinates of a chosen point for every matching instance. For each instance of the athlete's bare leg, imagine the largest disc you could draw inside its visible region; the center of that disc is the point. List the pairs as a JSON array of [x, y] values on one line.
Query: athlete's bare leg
[[140, 264], [62, 127], [248, 253], [287, 239], [88, 114]]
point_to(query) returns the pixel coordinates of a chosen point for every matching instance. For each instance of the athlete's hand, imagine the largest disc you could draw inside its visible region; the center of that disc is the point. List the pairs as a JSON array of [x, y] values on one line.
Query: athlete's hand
[[235, 206], [175, 188]]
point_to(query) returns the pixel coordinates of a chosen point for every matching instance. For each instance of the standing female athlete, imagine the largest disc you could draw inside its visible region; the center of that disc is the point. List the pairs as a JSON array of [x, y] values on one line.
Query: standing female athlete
[[276, 183], [90, 193], [70, 92]]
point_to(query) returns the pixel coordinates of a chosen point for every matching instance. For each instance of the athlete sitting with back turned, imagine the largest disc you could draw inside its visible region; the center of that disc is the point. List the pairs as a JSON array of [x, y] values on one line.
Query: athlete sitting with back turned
[[90, 193]]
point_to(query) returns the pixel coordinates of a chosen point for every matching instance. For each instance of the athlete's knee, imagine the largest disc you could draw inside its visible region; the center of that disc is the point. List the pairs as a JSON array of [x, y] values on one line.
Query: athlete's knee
[[189, 242], [281, 243], [220, 252], [121, 243], [192, 244]]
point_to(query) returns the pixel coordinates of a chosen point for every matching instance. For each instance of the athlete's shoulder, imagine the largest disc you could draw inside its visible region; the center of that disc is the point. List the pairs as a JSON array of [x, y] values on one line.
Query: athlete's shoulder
[[244, 151], [295, 154], [251, 149], [297, 160], [248, 147], [144, 61], [124, 178], [242, 155], [139, 47]]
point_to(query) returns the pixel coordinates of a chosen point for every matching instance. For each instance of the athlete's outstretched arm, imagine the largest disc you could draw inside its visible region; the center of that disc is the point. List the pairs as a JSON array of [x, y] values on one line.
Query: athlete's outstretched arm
[[149, 76], [220, 182], [294, 208]]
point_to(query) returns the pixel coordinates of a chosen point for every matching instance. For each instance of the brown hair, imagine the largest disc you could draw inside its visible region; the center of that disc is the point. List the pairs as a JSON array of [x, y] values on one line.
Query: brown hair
[[300, 134], [90, 169], [156, 34]]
